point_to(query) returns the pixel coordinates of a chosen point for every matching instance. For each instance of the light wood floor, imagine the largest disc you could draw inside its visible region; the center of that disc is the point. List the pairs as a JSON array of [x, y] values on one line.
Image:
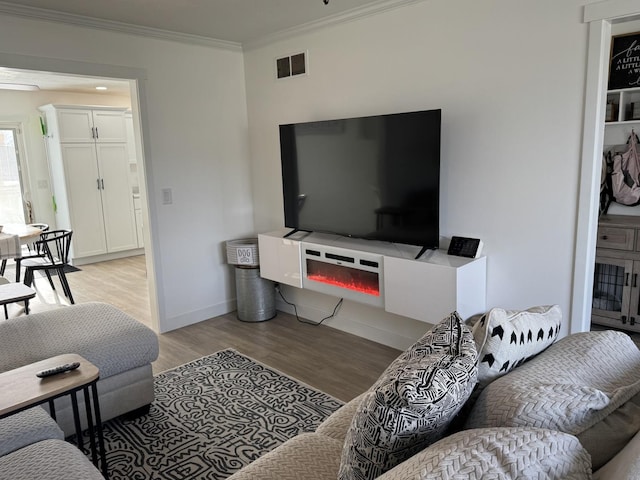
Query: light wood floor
[[338, 363]]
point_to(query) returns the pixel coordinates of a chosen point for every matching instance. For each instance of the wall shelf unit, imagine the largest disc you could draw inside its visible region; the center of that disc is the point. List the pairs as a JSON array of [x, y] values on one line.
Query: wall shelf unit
[[621, 116], [380, 274]]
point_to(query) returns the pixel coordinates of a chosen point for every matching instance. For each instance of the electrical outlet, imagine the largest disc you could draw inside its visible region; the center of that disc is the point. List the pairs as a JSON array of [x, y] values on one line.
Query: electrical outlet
[[167, 196]]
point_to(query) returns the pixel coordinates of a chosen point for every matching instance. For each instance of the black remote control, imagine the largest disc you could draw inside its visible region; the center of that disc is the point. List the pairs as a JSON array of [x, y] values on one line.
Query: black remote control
[[67, 367]]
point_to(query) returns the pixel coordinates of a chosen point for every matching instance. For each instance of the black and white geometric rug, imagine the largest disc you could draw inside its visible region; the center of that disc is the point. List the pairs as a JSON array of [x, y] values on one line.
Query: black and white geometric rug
[[211, 417]]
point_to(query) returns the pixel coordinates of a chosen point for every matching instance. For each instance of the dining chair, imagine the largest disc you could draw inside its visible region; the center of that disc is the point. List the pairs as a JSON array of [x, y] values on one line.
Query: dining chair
[[29, 250], [55, 245]]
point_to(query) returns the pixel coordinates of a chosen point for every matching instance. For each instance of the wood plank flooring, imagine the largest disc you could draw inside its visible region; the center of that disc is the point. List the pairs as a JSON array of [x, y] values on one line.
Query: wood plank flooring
[[338, 363]]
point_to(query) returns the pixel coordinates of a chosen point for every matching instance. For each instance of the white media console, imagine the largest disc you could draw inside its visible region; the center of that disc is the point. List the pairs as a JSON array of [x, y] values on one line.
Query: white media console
[[380, 274]]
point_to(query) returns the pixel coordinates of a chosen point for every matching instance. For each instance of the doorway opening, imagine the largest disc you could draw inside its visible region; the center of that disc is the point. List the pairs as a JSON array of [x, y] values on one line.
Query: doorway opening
[[78, 74], [600, 17]]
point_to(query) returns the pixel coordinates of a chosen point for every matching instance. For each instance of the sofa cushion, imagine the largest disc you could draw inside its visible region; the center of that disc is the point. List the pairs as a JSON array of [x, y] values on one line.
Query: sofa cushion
[[624, 466], [308, 455], [106, 336], [47, 460], [507, 338], [27, 427], [571, 387], [608, 436], [504, 453], [412, 403]]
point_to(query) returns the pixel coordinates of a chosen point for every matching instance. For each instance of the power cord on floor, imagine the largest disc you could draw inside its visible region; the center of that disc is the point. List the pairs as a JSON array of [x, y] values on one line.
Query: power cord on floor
[[295, 310]]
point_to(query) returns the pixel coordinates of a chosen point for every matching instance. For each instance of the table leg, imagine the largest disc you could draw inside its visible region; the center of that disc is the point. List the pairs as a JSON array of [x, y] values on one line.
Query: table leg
[[76, 420], [92, 440], [52, 410], [96, 408]]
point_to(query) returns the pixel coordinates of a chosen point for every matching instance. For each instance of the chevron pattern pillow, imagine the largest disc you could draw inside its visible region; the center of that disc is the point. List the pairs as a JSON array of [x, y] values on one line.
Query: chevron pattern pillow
[[499, 453], [572, 387], [508, 338], [413, 402]]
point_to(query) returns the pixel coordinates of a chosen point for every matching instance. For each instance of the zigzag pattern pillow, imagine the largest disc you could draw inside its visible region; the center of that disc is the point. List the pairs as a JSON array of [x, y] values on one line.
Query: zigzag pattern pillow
[[413, 402], [499, 453], [508, 338]]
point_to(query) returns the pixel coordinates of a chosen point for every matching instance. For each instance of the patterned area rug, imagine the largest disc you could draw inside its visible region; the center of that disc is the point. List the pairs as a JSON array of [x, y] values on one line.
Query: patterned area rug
[[211, 417]]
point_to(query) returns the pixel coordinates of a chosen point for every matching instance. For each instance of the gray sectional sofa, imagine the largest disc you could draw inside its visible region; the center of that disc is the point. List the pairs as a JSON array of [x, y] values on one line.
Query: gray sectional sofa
[[31, 443], [505, 400]]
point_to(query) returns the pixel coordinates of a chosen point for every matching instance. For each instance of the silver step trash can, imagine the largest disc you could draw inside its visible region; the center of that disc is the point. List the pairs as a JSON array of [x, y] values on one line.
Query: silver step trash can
[[256, 296]]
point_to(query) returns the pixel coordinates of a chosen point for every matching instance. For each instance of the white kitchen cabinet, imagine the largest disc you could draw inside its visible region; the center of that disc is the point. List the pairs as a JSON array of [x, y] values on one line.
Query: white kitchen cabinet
[[90, 181], [79, 125], [130, 137], [137, 206]]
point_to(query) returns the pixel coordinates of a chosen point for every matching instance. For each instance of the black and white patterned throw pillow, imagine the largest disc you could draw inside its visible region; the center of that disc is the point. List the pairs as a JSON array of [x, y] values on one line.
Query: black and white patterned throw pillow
[[413, 402], [507, 338]]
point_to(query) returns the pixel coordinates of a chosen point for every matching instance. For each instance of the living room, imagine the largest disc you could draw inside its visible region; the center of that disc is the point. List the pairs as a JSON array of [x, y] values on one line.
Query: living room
[[513, 80], [224, 104]]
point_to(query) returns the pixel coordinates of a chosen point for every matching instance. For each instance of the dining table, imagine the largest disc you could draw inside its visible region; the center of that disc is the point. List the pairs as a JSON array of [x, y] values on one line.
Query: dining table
[[26, 233], [12, 237]]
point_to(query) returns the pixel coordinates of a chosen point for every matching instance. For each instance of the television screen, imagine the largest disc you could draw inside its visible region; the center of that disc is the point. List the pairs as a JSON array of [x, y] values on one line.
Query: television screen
[[372, 177]]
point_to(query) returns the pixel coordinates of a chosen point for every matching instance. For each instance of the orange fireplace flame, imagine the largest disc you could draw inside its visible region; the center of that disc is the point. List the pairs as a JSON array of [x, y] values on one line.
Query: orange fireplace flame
[[359, 287]]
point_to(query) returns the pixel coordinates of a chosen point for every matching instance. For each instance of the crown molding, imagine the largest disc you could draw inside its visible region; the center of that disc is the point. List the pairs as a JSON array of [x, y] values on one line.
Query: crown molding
[[121, 27], [357, 13], [374, 8]]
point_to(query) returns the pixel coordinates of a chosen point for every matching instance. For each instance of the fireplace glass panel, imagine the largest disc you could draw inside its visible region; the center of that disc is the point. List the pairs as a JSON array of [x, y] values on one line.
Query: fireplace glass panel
[[341, 276]]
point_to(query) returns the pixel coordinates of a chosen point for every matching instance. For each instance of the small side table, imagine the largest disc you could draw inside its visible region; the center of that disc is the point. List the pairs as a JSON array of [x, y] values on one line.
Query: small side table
[[21, 389], [15, 292]]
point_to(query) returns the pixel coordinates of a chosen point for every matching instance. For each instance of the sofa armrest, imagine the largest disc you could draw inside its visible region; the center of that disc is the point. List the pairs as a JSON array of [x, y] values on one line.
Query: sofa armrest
[[625, 465], [338, 423]]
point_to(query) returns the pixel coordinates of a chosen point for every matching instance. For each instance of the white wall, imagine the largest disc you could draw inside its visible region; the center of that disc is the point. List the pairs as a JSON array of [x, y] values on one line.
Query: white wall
[[22, 108], [509, 76], [195, 144]]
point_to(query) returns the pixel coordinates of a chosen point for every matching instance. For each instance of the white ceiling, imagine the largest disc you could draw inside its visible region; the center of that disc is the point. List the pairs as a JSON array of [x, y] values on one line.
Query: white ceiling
[[237, 22], [232, 20]]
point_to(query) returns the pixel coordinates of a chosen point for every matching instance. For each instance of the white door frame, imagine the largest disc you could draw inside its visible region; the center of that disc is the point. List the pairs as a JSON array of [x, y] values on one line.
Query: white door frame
[[137, 83], [599, 16]]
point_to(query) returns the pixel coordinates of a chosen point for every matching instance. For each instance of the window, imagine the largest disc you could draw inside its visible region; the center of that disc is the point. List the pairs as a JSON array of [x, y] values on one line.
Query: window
[[13, 209]]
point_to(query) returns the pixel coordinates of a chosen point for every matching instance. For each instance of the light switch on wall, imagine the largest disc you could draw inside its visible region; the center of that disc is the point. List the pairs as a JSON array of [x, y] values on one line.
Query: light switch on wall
[[167, 196]]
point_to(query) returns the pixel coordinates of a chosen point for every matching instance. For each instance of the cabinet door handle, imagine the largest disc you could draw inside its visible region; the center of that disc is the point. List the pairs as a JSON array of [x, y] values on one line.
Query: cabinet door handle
[[605, 237], [624, 319], [97, 136], [635, 280], [632, 320], [626, 280], [102, 183], [98, 182]]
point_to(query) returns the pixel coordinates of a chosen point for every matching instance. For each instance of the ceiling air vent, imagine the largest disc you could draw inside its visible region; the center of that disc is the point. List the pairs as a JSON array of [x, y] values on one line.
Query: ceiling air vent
[[292, 65]]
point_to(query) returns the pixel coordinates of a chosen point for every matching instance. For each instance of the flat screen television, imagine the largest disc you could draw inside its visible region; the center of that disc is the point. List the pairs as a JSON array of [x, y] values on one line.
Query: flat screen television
[[375, 177]]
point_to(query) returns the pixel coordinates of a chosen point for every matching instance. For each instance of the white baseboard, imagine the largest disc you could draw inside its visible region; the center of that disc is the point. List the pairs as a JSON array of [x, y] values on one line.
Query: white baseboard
[[351, 325], [198, 316], [106, 257]]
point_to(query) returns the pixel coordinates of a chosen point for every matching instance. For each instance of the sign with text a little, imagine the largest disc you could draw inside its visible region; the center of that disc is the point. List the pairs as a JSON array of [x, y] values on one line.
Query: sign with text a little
[[624, 69]]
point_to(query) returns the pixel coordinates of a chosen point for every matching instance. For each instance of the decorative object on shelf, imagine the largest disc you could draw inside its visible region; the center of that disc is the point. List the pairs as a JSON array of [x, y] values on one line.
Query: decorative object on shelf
[[611, 114], [624, 67], [634, 111], [625, 177]]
